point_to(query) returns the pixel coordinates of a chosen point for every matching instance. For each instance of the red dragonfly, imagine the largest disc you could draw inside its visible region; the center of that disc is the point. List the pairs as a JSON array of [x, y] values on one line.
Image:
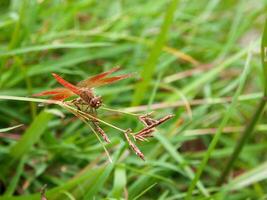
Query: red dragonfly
[[84, 90]]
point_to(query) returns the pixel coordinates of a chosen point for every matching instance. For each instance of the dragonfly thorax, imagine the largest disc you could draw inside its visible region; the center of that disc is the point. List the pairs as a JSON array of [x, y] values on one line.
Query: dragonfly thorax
[[89, 97]]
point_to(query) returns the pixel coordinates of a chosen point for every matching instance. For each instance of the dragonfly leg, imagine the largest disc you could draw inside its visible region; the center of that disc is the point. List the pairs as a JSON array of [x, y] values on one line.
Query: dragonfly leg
[[87, 108], [75, 102]]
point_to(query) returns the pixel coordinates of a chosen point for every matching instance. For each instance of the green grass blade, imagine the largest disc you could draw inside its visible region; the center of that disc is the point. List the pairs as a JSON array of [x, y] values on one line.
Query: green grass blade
[[213, 72], [14, 182], [218, 133], [96, 177], [256, 116], [31, 136], [180, 160], [31, 49], [56, 193], [103, 177], [150, 64], [264, 56], [250, 177], [120, 181], [144, 191], [154, 92], [242, 141]]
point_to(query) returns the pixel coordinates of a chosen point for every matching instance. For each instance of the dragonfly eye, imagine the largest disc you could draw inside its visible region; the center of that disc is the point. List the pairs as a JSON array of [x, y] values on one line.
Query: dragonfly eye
[[96, 102]]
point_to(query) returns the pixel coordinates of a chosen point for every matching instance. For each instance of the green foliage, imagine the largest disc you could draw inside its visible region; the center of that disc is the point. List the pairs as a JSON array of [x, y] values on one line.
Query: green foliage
[[31, 136], [150, 64], [196, 59]]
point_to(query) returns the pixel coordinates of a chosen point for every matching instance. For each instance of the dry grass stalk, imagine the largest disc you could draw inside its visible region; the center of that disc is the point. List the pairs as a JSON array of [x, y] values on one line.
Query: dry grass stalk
[[132, 145], [142, 135], [99, 130], [150, 125]]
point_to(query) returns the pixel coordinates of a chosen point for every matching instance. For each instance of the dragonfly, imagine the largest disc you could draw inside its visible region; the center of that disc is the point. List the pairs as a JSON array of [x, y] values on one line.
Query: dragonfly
[[85, 92]]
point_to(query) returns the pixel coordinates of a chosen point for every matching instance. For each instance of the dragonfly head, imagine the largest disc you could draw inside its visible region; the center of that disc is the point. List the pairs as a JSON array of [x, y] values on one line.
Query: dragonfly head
[[96, 102]]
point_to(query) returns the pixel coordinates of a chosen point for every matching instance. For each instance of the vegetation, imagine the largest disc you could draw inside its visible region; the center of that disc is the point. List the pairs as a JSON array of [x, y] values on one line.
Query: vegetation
[[202, 61]]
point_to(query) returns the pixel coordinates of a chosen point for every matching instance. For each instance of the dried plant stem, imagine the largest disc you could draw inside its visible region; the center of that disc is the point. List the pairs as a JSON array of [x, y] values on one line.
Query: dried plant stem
[[73, 111], [91, 117], [133, 146], [101, 131], [150, 125], [156, 123], [144, 134], [194, 102]]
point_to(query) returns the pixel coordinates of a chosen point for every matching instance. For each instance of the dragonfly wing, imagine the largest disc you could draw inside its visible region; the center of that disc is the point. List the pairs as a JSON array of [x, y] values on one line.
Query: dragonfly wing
[[101, 79], [66, 84], [94, 79], [60, 97], [57, 94], [109, 80]]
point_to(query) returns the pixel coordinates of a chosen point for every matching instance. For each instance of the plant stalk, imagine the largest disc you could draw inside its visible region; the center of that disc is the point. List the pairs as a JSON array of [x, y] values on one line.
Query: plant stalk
[[244, 138], [256, 116]]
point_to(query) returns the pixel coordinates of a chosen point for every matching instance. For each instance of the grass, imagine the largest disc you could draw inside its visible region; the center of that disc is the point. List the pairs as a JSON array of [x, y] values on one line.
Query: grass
[[218, 133], [150, 64], [199, 60]]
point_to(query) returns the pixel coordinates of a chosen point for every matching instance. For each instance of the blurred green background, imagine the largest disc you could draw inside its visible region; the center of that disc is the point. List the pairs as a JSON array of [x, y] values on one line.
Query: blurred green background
[[199, 60]]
